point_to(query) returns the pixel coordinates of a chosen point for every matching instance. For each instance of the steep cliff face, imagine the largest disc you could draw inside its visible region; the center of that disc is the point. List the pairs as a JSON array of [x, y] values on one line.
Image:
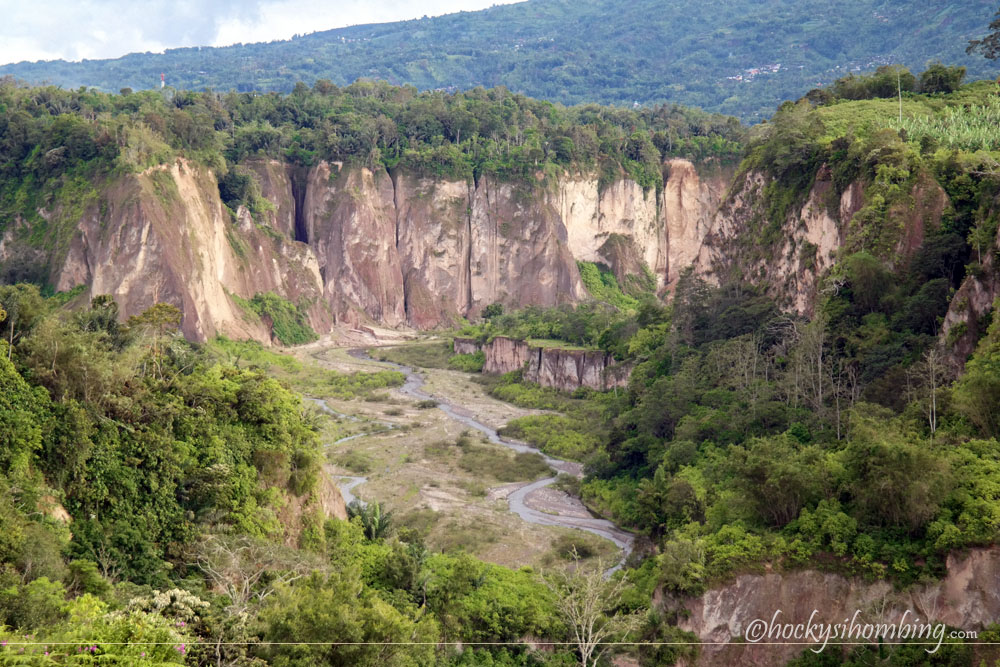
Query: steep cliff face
[[519, 252], [350, 219], [163, 235], [967, 598], [690, 205], [562, 369], [789, 256], [592, 216], [355, 245], [434, 241]]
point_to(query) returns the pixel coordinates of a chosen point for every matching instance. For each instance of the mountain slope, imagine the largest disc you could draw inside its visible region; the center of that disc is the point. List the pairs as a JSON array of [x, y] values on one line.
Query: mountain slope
[[740, 57]]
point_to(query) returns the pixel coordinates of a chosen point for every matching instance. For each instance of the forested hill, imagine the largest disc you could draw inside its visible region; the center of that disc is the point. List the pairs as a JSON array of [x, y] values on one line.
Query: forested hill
[[739, 57]]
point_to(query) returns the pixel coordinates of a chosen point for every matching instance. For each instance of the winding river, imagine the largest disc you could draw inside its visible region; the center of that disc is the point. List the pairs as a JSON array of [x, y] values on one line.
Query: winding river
[[517, 499]]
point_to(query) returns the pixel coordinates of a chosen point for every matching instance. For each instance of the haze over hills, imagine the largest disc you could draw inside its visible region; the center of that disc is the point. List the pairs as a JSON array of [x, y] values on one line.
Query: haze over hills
[[736, 57]]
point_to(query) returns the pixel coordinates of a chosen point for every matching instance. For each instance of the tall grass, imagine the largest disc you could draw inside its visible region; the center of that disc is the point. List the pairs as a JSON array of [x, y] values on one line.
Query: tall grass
[[972, 128]]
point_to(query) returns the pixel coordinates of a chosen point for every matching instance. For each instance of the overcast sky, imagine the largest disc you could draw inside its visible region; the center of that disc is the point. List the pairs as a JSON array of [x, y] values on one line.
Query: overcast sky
[[77, 29]]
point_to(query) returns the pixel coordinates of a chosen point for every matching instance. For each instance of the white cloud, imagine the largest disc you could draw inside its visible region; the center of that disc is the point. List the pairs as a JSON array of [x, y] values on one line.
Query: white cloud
[[77, 29]]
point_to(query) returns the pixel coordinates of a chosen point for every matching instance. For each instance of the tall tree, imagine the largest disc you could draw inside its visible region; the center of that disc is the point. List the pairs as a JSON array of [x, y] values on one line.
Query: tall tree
[[589, 605]]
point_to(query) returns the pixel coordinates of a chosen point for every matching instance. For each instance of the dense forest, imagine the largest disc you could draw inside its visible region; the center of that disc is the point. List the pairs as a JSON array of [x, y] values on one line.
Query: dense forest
[[739, 58], [154, 490]]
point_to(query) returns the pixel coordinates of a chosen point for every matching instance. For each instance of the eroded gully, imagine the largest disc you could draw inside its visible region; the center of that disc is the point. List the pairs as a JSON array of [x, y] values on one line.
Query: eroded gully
[[516, 501]]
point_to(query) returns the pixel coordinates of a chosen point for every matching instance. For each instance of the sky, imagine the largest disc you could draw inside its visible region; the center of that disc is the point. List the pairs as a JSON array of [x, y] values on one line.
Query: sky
[[92, 29]]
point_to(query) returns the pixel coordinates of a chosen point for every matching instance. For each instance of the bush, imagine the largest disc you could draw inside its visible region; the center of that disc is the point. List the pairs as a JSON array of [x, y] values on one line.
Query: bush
[[288, 321], [555, 435], [468, 363]]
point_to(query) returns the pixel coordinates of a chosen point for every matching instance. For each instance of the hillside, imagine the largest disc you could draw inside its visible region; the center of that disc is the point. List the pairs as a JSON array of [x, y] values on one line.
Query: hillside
[[740, 58]]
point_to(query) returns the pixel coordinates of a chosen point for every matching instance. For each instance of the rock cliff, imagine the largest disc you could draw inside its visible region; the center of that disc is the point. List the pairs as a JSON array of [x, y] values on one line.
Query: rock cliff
[[789, 256], [968, 598], [355, 245], [562, 369]]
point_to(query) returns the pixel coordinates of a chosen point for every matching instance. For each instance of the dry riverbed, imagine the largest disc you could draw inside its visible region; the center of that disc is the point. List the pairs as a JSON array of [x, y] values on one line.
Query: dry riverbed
[[441, 479]]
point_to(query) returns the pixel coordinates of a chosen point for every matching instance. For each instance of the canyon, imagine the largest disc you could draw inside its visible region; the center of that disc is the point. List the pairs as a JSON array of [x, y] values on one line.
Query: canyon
[[352, 246]]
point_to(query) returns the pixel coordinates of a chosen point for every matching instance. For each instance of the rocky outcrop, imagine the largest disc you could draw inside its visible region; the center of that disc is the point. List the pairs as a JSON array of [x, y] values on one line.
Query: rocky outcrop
[[690, 206], [967, 598], [971, 309], [505, 355], [465, 345], [740, 243], [350, 219], [562, 369], [434, 242]]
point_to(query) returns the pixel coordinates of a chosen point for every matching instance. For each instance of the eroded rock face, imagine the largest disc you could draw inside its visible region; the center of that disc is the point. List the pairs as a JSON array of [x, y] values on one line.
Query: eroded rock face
[[165, 237], [571, 369], [356, 245], [566, 370], [434, 236], [967, 598], [350, 219], [622, 209], [505, 355], [690, 204], [968, 313]]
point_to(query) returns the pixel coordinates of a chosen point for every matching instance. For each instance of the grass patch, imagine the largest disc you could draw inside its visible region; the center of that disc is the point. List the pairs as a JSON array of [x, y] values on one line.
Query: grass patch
[[556, 435], [439, 451], [473, 488], [424, 355], [502, 465], [465, 537], [353, 385], [425, 405], [510, 388], [354, 461], [305, 378]]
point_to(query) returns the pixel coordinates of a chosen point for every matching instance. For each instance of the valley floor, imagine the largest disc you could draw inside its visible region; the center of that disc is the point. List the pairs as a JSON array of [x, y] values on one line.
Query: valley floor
[[414, 468]]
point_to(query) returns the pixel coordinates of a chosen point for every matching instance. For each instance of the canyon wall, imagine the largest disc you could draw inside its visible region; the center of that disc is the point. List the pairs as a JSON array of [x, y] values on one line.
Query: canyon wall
[[967, 598], [563, 369], [353, 245]]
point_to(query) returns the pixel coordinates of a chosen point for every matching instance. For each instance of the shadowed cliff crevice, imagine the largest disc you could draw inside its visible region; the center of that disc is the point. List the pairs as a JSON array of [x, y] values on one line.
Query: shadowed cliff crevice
[[299, 178]]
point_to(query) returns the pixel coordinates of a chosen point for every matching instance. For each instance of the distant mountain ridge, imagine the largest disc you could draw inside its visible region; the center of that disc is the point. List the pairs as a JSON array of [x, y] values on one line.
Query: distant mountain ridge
[[736, 57]]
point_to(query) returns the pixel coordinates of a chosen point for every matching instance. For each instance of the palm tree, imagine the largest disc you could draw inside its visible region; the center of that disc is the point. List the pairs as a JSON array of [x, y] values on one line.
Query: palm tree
[[374, 520]]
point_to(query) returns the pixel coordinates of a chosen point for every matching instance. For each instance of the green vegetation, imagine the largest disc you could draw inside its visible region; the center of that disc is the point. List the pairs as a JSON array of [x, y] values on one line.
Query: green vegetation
[[160, 503], [307, 379], [602, 285], [488, 462], [467, 363], [966, 128], [288, 322], [421, 355], [555, 435], [741, 58]]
